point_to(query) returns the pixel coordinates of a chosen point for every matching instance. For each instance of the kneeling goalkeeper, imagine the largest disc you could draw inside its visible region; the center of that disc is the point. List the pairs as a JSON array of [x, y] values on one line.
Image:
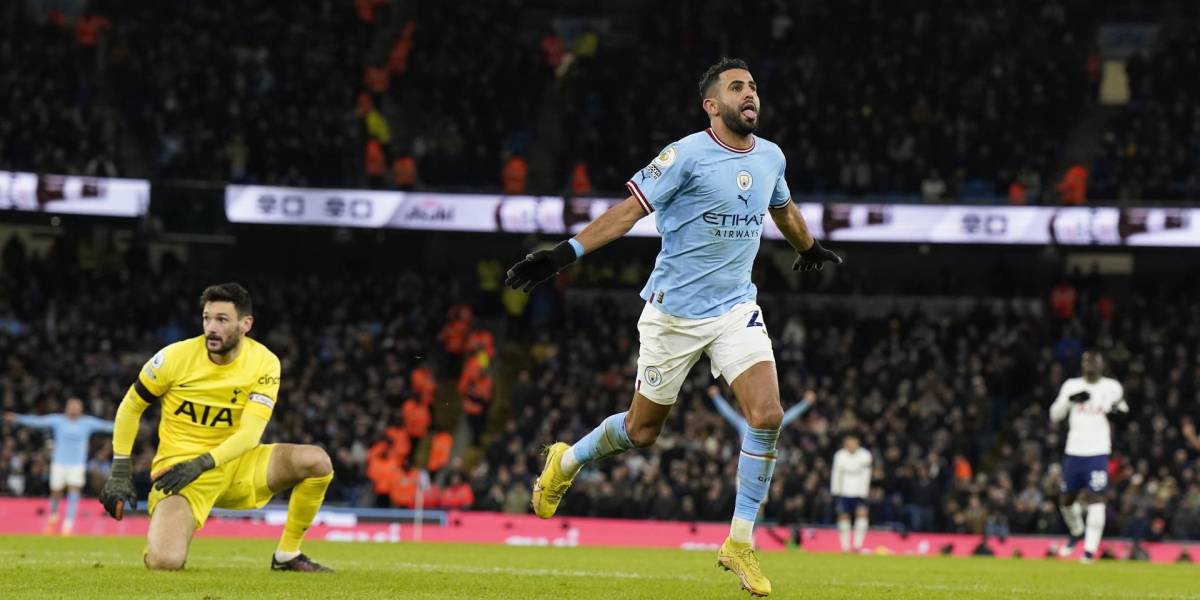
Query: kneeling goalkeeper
[[217, 392]]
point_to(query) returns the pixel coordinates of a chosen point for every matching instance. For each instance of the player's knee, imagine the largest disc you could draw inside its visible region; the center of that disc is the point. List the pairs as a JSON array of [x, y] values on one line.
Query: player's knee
[[767, 417], [164, 561], [642, 436], [315, 462]]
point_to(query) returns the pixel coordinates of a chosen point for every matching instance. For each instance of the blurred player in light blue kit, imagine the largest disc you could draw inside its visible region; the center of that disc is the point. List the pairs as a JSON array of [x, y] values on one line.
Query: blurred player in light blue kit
[[71, 431], [726, 410], [711, 193]]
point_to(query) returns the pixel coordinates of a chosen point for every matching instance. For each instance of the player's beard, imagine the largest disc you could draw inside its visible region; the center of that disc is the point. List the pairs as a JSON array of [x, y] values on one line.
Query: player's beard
[[732, 117], [228, 345]]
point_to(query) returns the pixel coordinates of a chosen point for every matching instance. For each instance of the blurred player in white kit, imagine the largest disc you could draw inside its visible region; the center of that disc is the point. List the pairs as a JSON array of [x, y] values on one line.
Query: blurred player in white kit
[[1089, 401], [850, 482]]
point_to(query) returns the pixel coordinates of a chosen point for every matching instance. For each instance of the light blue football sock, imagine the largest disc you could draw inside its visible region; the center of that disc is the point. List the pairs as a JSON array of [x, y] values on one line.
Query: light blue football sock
[[756, 464], [607, 439], [72, 504]]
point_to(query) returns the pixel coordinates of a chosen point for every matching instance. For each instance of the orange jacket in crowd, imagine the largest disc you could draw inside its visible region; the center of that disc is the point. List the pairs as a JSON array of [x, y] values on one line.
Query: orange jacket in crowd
[[404, 172], [422, 383], [404, 487], [1073, 187], [458, 325], [1016, 193], [363, 105], [457, 496], [381, 467], [581, 184], [366, 9], [376, 164], [398, 57], [88, 29], [962, 469], [439, 451], [475, 384], [377, 79], [1062, 301], [401, 444], [416, 418], [514, 174], [482, 339]]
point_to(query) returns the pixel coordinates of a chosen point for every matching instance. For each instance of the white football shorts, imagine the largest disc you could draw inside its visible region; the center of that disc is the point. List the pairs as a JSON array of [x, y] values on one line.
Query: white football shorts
[[671, 345], [62, 476]]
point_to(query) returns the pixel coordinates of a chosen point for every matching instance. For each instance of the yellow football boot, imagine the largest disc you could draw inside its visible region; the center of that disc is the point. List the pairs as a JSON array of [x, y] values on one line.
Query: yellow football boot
[[743, 562], [550, 486]]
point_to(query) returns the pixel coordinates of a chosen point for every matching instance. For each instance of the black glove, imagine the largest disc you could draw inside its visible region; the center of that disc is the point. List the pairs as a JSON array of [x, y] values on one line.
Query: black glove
[[540, 266], [118, 492], [1080, 397], [1119, 411], [177, 477], [814, 258]]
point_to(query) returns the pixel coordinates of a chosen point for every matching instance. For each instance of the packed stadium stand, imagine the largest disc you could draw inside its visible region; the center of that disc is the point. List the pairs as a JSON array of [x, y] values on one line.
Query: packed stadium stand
[[416, 362], [364, 363], [918, 103]]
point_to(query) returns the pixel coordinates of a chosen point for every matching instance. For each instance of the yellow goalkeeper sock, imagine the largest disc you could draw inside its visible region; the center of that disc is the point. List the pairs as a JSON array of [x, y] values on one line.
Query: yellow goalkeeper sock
[[302, 509]]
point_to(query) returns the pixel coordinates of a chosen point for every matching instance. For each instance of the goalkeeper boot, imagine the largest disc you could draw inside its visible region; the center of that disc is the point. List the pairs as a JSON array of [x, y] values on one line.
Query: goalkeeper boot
[[741, 560], [550, 486], [302, 564]]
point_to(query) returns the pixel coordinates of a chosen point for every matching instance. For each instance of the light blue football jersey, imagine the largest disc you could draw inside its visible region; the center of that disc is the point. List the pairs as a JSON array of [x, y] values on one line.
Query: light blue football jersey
[[710, 201], [70, 435]]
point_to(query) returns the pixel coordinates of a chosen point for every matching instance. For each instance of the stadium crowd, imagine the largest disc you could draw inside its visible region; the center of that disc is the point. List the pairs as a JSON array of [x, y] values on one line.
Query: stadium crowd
[[954, 408], [1152, 146], [953, 405], [920, 102]]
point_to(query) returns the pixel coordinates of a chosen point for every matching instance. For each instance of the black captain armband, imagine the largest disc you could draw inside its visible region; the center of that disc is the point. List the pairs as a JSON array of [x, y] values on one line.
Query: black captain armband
[[144, 394]]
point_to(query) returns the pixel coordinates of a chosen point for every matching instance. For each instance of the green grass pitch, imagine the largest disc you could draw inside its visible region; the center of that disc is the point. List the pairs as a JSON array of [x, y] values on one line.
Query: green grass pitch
[[220, 569]]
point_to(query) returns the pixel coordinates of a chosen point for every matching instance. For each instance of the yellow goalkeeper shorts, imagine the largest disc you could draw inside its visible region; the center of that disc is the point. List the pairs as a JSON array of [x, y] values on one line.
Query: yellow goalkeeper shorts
[[240, 484]]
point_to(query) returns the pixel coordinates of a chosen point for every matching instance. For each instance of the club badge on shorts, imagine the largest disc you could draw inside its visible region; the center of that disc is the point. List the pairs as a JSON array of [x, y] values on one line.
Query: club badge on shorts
[[653, 376]]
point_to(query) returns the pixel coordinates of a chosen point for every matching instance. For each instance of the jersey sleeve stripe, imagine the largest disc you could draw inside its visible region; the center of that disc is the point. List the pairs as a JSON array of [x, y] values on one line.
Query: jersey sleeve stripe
[[641, 198], [143, 393], [789, 201], [263, 400]]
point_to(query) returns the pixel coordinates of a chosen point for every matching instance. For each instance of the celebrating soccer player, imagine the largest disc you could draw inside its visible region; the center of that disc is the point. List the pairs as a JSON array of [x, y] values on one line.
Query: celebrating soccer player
[[731, 415], [1089, 401], [218, 391], [71, 431], [711, 191]]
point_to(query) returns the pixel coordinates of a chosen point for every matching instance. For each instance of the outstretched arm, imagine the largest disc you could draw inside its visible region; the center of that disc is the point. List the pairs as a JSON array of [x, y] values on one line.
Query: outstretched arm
[[613, 224], [544, 264], [40, 421], [723, 407], [798, 410]]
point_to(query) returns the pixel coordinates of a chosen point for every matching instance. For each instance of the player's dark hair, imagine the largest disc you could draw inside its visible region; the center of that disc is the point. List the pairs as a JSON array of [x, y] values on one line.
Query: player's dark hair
[[714, 72], [229, 292]]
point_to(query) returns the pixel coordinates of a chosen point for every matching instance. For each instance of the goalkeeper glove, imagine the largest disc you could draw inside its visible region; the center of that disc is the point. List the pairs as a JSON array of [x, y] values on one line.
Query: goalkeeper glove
[[1080, 397], [118, 492], [179, 476], [540, 266], [814, 258]]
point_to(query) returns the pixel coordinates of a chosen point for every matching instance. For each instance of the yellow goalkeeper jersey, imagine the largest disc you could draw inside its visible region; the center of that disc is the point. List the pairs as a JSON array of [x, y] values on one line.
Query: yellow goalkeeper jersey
[[203, 402]]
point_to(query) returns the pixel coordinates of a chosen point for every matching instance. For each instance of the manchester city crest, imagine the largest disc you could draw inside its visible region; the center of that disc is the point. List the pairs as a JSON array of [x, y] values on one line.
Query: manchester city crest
[[744, 180]]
